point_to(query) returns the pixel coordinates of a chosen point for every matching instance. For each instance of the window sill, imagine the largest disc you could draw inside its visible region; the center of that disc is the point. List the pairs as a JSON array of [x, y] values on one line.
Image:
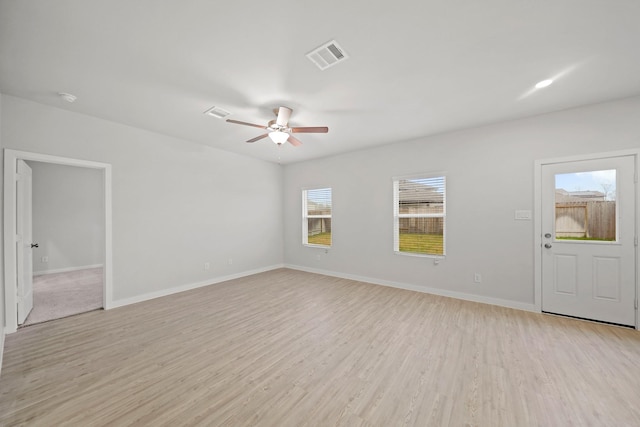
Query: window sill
[[316, 246], [416, 255]]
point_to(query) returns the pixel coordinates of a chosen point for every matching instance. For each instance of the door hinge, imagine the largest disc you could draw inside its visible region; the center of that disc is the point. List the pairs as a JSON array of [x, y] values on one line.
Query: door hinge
[[635, 241], [635, 304]]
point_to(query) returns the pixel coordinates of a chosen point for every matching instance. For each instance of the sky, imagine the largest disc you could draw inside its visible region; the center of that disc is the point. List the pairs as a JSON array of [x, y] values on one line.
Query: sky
[[583, 181]]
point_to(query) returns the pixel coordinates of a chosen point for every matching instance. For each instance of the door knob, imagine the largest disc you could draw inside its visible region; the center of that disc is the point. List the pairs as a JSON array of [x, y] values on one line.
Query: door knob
[[547, 235], [547, 245], [34, 245]]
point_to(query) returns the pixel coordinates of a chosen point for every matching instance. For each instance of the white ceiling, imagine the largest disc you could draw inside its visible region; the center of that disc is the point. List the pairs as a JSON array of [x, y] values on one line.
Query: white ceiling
[[416, 67]]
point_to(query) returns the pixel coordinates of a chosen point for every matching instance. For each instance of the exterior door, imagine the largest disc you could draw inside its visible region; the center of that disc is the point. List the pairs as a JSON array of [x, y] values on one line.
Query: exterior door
[[589, 238], [24, 255]]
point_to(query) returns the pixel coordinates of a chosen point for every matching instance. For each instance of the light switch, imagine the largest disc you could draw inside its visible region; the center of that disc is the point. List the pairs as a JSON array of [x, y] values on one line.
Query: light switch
[[523, 215]]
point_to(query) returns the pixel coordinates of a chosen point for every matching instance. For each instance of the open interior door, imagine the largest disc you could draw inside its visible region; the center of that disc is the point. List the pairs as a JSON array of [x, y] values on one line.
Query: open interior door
[[24, 245]]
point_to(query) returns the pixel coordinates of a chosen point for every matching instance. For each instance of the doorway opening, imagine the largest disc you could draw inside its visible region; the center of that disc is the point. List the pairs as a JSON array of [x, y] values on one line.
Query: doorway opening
[[55, 260], [68, 233]]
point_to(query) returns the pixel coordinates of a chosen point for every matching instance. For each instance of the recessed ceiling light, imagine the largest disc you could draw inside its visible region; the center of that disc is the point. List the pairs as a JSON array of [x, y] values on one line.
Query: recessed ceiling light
[[67, 97], [217, 112], [543, 83]]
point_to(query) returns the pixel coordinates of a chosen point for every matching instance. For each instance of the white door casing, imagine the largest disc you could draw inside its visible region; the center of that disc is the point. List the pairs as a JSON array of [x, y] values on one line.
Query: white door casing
[[584, 278], [24, 251], [11, 158]]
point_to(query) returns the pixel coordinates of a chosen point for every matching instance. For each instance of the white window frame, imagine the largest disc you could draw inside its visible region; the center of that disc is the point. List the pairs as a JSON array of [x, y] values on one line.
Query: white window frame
[[397, 215], [306, 217]]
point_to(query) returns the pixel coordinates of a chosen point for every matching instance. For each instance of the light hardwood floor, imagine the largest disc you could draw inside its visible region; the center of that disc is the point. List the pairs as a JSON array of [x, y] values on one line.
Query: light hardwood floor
[[288, 348]]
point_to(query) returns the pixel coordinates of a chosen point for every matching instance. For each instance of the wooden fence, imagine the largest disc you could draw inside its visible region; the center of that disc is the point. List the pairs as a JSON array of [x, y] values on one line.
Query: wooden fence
[[318, 226], [422, 225], [593, 220]]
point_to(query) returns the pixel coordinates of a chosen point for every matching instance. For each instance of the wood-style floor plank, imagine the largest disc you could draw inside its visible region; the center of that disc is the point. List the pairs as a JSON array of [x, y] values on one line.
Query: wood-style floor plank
[[288, 348]]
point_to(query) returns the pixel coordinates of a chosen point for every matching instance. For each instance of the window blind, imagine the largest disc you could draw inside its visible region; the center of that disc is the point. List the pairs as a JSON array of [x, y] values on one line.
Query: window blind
[[419, 215], [316, 224]]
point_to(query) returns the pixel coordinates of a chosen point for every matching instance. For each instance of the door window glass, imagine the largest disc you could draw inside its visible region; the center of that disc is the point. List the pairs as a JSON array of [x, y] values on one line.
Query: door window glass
[[586, 205]]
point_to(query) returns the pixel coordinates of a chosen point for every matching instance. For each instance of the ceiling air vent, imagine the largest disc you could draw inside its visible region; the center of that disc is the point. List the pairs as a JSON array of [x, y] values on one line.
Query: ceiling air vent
[[327, 55], [217, 112]]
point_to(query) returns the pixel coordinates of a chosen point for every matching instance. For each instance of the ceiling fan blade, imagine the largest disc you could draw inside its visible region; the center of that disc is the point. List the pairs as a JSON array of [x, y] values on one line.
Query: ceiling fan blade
[[258, 138], [283, 116], [294, 141], [316, 129], [238, 122]]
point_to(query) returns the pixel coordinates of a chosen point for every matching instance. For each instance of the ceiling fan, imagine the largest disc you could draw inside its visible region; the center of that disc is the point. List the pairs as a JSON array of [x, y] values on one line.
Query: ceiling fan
[[279, 130]]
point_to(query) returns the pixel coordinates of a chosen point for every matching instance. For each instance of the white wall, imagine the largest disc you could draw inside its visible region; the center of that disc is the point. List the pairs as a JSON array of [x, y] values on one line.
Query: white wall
[[176, 204], [68, 217], [489, 175]]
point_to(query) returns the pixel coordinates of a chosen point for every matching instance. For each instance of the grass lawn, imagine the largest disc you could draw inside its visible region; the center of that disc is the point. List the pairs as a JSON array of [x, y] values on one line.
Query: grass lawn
[[409, 242], [320, 239], [421, 243], [586, 238]]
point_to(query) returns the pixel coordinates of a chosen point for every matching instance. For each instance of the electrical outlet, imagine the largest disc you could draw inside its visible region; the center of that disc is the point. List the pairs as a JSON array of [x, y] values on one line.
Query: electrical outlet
[[45, 259], [230, 261], [207, 265], [477, 277]]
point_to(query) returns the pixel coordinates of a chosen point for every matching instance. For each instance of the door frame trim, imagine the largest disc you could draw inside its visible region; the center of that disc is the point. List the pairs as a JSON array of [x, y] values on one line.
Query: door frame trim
[[10, 282], [537, 227]]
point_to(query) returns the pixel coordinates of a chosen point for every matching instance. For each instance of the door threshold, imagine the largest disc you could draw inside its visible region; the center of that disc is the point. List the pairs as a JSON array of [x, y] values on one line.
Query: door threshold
[[59, 318], [590, 320]]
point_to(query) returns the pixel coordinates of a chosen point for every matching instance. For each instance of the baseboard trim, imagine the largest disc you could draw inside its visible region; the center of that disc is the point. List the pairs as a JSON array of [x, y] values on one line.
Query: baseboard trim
[[424, 289], [66, 270], [3, 333], [189, 286]]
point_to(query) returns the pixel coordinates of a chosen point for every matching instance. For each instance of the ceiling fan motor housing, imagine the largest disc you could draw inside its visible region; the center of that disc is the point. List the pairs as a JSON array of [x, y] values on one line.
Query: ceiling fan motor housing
[[273, 126]]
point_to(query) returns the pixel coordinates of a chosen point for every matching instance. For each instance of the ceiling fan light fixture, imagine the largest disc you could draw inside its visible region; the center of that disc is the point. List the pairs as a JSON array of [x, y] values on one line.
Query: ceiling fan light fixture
[[279, 137], [278, 130]]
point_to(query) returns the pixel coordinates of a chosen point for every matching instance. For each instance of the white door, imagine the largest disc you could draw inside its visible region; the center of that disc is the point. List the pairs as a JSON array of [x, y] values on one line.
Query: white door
[[24, 258], [588, 239]]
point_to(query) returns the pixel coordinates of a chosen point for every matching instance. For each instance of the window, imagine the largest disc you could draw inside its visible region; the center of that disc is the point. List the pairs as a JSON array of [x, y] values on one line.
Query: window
[[316, 217], [419, 215], [586, 206]]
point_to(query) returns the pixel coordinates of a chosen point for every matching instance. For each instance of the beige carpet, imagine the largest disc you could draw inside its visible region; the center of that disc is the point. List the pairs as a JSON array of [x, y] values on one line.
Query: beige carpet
[[60, 295]]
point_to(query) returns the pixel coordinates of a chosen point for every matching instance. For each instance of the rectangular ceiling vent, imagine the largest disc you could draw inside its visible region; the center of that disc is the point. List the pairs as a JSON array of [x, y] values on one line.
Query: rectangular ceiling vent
[[217, 112], [327, 55]]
